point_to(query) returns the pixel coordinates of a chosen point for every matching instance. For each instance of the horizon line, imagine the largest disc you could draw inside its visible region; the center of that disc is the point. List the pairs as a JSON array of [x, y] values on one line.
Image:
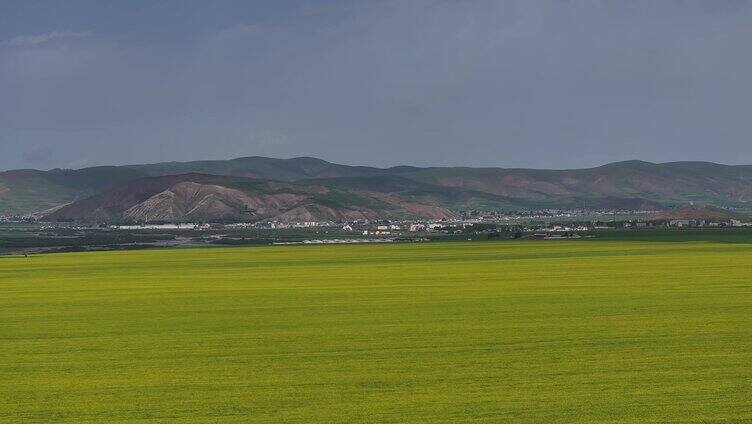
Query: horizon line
[[376, 167]]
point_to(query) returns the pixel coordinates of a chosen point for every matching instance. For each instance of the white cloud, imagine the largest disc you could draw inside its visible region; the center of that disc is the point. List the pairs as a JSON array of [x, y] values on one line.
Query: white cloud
[[36, 39]]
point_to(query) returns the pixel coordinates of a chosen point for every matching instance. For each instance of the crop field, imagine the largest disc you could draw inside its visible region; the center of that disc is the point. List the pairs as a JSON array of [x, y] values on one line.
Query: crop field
[[529, 331]]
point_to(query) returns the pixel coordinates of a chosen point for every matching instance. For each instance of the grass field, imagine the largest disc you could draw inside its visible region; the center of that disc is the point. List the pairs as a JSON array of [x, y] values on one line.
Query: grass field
[[541, 332]]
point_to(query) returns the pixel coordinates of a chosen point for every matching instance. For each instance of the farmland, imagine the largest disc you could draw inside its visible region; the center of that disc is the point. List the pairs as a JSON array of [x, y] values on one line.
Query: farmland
[[528, 331]]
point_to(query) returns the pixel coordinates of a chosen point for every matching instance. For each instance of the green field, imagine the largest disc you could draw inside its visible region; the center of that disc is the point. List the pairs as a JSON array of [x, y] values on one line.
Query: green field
[[540, 332]]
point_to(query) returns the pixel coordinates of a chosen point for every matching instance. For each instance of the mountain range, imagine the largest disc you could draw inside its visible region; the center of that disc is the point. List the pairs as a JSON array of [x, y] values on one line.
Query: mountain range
[[305, 188]]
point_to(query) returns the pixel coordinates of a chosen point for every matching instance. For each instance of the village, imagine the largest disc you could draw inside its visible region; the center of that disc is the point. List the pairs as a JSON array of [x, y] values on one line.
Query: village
[[25, 234], [527, 224], [471, 221]]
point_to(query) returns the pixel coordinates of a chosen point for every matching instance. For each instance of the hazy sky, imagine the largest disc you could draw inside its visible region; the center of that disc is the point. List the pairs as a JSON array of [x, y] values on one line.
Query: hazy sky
[[483, 83]]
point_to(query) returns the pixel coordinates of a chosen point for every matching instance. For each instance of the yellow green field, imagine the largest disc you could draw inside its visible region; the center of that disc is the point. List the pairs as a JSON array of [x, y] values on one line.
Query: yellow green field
[[540, 332]]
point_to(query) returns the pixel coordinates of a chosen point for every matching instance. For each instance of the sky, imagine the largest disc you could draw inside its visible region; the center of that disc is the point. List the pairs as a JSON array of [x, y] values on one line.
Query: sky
[[541, 84]]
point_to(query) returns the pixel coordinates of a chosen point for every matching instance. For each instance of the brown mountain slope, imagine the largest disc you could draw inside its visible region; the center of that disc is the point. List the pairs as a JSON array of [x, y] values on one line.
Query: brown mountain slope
[[197, 197], [668, 184], [698, 212], [626, 185]]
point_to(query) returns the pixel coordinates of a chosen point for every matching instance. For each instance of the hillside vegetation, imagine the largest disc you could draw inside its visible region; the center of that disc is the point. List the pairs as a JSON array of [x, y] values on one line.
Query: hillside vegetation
[[698, 212], [198, 197], [626, 185]]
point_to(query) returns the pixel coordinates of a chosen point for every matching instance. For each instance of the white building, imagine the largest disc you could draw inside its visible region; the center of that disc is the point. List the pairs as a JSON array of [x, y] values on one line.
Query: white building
[[416, 227]]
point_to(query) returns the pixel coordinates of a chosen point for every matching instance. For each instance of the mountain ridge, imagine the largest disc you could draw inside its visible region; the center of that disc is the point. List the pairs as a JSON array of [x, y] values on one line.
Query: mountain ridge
[[388, 168], [202, 197], [629, 184]]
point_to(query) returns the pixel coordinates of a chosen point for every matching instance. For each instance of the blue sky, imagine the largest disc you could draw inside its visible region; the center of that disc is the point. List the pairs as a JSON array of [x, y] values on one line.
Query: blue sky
[[556, 84]]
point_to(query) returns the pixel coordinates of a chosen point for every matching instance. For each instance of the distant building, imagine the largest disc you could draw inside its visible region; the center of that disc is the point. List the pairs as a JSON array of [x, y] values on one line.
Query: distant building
[[416, 227]]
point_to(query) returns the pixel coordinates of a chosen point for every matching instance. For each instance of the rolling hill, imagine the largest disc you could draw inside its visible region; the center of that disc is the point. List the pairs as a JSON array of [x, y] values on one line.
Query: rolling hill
[[621, 185], [32, 191], [201, 197], [632, 181], [698, 212]]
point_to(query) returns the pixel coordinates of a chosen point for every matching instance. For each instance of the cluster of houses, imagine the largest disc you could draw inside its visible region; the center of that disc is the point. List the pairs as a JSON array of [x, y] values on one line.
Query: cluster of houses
[[17, 218], [688, 223], [182, 226], [411, 227], [692, 223], [459, 226], [545, 214], [551, 223]]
